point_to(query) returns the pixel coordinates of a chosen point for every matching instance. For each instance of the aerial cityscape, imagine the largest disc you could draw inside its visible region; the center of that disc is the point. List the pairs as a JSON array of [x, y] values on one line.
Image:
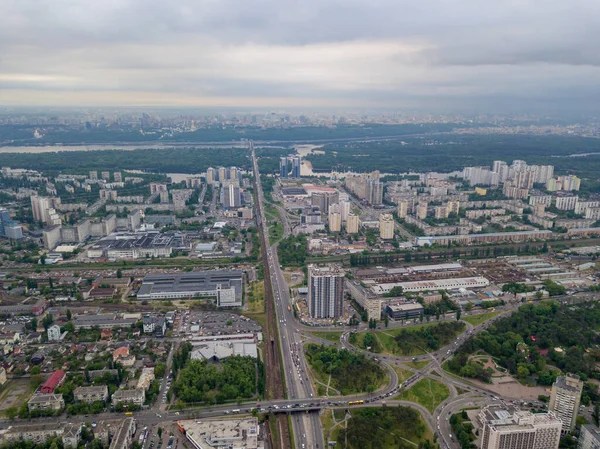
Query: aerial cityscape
[[276, 225]]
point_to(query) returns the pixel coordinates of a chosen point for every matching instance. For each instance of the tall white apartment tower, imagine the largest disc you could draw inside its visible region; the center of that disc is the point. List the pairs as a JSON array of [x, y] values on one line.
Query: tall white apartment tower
[[565, 398], [325, 291]]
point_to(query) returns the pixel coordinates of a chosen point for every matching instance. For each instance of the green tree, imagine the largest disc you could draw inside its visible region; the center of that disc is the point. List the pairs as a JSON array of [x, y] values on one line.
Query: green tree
[[69, 315], [119, 273], [458, 315]]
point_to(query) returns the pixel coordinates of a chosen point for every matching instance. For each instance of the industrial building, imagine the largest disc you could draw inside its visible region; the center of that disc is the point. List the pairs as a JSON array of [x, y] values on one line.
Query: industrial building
[[138, 245], [433, 284], [224, 286], [404, 311], [56, 379]]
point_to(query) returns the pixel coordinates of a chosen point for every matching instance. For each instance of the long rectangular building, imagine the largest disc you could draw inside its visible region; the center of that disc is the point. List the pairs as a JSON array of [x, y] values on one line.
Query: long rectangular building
[[224, 286], [433, 284], [495, 237]]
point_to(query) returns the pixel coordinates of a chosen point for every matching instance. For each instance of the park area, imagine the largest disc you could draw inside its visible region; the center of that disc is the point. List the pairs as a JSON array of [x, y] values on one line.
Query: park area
[[426, 392]]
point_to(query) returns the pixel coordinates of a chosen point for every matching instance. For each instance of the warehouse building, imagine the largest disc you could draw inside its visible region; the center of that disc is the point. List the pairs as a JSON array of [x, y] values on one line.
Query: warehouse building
[[224, 286], [433, 285]]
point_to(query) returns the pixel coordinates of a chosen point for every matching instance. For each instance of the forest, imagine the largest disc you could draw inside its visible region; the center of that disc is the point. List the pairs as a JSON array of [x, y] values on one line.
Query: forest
[[453, 152], [384, 428], [292, 250], [233, 379], [350, 372], [430, 337], [524, 343], [15, 135], [169, 160]]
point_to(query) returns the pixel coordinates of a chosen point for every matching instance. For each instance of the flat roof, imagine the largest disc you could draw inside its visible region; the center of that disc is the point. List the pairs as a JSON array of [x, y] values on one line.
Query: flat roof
[[235, 433], [192, 281]]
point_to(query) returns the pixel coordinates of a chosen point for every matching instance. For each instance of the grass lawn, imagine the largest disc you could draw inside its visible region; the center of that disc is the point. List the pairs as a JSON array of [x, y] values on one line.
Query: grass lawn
[[255, 298], [403, 374], [419, 364], [476, 320], [429, 393], [329, 335]]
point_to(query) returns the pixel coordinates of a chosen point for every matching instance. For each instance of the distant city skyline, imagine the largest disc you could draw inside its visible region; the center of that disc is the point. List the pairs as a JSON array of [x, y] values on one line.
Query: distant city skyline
[[433, 55]]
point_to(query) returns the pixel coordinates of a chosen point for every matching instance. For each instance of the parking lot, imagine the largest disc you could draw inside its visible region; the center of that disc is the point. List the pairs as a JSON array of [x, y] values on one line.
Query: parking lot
[[216, 323]]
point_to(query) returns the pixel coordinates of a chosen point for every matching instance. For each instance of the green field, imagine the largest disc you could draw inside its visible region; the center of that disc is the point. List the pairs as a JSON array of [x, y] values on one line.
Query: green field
[[476, 320], [384, 428], [429, 393], [403, 374], [275, 232]]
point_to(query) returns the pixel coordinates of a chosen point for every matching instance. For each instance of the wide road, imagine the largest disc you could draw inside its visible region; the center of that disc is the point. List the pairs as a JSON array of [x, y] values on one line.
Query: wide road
[[307, 427]]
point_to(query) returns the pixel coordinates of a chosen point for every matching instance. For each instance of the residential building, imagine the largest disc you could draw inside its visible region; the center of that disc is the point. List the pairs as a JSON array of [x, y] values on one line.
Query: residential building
[[296, 166], [283, 167], [365, 298], [323, 200], [335, 218], [402, 209], [231, 197], [352, 224], [211, 175], [91, 394], [124, 436], [135, 396], [566, 202], [46, 401], [422, 210], [54, 333], [3, 377], [386, 226], [589, 437], [565, 398], [325, 291], [8, 227], [146, 378], [504, 427]]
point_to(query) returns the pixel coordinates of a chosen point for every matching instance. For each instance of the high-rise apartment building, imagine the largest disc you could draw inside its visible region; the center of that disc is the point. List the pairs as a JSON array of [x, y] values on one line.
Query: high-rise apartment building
[[323, 200], [565, 398], [211, 175], [94, 175], [386, 226], [231, 197], [335, 218], [296, 165], [222, 174], [283, 167], [589, 437], [422, 210], [42, 210], [344, 209], [118, 176], [325, 291], [504, 427], [402, 209], [352, 223], [105, 175], [8, 227], [157, 187]]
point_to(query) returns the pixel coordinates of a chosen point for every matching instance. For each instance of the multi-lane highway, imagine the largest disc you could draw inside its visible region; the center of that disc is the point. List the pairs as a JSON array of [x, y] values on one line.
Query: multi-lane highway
[[307, 427]]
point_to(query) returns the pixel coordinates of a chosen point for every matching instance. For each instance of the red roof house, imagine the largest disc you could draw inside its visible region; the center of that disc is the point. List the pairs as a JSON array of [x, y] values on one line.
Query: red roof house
[[54, 381]]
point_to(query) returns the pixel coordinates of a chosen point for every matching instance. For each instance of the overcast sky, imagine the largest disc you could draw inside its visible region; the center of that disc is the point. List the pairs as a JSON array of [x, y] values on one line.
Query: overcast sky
[[300, 53]]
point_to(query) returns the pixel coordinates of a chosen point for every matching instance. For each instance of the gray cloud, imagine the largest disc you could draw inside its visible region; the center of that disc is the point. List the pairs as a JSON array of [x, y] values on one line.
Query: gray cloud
[[377, 52]]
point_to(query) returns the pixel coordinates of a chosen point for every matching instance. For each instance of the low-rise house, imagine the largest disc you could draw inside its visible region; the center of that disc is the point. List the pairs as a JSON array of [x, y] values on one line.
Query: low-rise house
[[118, 353], [91, 394], [46, 401]]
